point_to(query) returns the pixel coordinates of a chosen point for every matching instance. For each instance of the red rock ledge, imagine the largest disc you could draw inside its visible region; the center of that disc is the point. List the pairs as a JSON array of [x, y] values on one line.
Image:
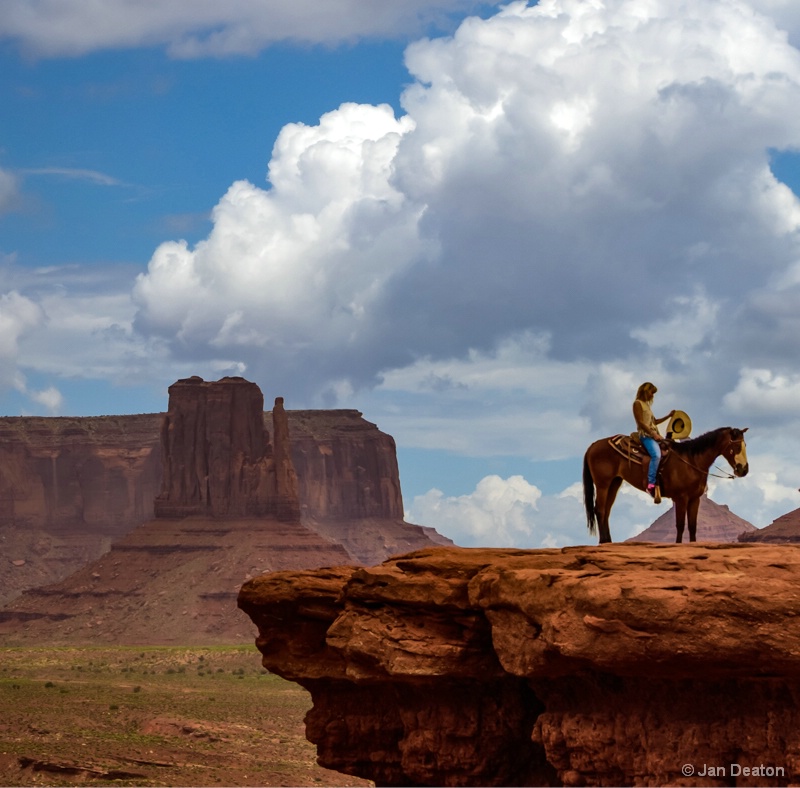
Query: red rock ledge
[[625, 664]]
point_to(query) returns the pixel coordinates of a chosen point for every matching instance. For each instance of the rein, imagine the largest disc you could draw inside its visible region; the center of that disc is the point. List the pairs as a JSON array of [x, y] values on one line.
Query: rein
[[723, 474]]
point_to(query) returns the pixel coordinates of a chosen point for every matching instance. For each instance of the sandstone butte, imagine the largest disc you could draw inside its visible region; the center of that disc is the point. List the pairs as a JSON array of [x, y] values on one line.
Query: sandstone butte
[[783, 530], [715, 523], [178, 509], [624, 664]]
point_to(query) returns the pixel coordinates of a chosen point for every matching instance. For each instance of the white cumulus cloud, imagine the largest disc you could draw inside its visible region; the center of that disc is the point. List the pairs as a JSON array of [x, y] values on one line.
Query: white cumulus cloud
[[20, 316], [50, 398], [596, 174], [513, 512], [499, 513], [297, 272]]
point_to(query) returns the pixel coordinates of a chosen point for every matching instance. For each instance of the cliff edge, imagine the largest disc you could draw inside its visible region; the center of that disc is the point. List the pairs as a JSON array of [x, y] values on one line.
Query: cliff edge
[[624, 664]]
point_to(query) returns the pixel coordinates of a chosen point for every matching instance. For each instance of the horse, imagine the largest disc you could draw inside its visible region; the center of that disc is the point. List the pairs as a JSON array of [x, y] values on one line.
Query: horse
[[683, 475]]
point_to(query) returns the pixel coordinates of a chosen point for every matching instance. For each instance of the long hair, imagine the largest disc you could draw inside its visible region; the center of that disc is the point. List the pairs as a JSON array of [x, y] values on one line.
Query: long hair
[[646, 391]]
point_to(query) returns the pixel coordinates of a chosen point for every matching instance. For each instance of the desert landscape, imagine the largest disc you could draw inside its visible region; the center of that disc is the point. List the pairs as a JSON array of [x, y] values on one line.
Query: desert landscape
[[260, 258], [133, 664], [148, 561], [152, 716]]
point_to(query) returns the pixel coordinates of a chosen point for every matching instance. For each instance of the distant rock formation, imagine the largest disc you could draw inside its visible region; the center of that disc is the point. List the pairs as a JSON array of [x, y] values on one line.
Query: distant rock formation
[[345, 466], [217, 457], [70, 487], [783, 530], [228, 505], [624, 664], [229, 508], [715, 523], [287, 502], [349, 485], [99, 473]]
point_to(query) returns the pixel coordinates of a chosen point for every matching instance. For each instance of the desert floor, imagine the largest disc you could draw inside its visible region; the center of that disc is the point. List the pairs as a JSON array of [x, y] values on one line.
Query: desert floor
[[169, 716]]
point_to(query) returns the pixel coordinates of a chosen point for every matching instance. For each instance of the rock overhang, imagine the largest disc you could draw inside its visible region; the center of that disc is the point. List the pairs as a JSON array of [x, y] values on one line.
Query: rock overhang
[[593, 638]]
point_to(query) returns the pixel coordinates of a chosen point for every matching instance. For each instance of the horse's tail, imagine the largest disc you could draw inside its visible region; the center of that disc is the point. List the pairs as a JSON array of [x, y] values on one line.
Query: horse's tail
[[588, 496]]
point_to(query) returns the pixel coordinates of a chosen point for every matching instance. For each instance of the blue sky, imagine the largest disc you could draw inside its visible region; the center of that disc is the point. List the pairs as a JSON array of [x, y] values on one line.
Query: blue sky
[[482, 225]]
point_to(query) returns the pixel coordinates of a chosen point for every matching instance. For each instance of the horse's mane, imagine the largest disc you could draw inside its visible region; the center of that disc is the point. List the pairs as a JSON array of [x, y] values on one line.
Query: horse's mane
[[694, 446]]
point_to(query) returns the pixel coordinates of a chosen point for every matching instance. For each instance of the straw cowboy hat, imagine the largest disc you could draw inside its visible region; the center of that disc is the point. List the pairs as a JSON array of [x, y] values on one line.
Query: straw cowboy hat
[[680, 426]]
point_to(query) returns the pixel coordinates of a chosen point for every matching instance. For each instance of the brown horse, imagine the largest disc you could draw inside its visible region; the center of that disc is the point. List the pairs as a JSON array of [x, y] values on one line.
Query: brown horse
[[683, 475]]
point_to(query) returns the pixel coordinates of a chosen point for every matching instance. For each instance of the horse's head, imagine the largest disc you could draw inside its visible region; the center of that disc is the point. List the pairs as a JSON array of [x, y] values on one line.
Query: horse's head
[[735, 452]]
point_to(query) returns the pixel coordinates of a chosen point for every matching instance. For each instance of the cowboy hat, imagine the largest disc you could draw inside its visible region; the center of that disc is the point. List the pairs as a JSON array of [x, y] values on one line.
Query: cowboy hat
[[680, 426]]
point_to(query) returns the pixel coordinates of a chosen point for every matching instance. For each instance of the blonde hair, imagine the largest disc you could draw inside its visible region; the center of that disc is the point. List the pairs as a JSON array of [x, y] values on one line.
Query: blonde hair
[[646, 392]]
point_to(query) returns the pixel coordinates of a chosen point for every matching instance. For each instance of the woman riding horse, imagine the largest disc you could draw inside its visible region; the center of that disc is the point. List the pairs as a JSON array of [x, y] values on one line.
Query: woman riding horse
[[647, 426], [684, 476]]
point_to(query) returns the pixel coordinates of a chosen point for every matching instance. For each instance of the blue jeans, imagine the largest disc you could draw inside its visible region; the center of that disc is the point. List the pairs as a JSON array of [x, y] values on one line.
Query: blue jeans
[[654, 450]]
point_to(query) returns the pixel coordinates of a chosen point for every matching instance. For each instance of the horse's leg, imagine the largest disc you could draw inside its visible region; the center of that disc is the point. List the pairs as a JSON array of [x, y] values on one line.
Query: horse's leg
[[680, 517], [611, 496], [691, 510], [601, 511], [605, 500]]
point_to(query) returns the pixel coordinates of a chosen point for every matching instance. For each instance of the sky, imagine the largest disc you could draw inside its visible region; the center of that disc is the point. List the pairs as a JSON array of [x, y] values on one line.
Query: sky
[[483, 225]]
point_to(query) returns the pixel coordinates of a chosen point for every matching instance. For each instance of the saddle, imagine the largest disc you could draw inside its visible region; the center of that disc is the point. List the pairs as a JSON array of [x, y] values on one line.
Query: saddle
[[631, 448]]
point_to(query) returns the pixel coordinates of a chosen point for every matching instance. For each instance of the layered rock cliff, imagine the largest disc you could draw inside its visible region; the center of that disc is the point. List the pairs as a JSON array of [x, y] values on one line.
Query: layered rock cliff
[[783, 530], [349, 485], [217, 456], [228, 508], [625, 664], [99, 473], [70, 487]]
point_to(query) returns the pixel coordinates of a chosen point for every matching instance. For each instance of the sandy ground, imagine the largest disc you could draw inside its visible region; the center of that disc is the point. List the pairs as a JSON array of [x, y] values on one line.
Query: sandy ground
[[172, 716]]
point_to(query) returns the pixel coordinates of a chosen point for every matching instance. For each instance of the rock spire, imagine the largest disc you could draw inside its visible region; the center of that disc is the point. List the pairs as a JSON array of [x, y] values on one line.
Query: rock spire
[[217, 457]]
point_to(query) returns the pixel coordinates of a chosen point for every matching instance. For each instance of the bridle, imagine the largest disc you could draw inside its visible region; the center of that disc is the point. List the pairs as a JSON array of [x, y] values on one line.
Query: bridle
[[728, 474], [723, 474]]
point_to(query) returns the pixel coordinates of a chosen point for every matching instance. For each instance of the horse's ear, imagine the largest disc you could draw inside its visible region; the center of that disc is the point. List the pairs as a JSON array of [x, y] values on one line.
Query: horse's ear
[[745, 429]]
